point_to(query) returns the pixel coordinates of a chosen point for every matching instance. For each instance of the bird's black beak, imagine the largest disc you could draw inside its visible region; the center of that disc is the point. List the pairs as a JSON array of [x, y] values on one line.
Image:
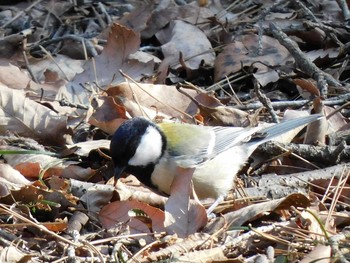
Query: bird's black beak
[[118, 172]]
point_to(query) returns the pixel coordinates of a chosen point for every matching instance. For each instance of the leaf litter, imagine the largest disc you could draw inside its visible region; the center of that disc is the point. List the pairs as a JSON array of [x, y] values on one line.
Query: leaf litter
[[72, 73]]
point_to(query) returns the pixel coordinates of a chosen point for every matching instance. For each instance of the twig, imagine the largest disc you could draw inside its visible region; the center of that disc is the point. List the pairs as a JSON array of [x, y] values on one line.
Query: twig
[[265, 101], [89, 46], [27, 63], [301, 60], [344, 8], [99, 19], [307, 11], [38, 226], [326, 155], [104, 12], [21, 13], [294, 104]]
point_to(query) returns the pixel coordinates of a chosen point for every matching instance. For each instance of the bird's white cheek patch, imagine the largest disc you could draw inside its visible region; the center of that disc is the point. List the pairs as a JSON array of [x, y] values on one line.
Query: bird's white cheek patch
[[149, 149]]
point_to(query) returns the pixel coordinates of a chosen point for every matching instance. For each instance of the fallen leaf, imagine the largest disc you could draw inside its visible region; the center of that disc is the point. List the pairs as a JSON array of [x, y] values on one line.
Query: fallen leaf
[[31, 119], [183, 37], [319, 254], [151, 100], [244, 52], [118, 212], [183, 215], [245, 214], [104, 68]]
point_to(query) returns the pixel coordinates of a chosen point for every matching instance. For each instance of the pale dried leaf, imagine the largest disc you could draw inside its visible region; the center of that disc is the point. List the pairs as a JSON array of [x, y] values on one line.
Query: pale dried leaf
[[12, 175], [118, 212], [64, 67], [245, 214], [320, 254], [12, 254], [84, 148], [151, 100], [104, 69], [244, 52], [30, 119], [11, 76], [183, 216], [182, 37]]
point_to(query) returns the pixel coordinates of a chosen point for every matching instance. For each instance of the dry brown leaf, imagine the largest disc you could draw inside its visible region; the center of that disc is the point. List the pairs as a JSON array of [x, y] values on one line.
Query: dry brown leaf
[[337, 121], [137, 19], [214, 113], [182, 37], [244, 52], [64, 67], [183, 216], [317, 130], [36, 165], [30, 119], [38, 199], [320, 254], [12, 175], [118, 212], [58, 226], [308, 85], [330, 53], [248, 213], [84, 148], [309, 220], [107, 114], [163, 100], [104, 68], [10, 179], [11, 76], [92, 195], [13, 254]]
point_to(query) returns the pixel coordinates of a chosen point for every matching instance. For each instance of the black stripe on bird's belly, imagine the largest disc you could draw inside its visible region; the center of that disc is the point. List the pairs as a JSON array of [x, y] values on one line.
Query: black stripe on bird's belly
[[142, 173]]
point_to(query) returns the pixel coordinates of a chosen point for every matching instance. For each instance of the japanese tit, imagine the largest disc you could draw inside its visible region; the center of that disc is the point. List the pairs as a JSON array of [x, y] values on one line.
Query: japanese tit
[[153, 152]]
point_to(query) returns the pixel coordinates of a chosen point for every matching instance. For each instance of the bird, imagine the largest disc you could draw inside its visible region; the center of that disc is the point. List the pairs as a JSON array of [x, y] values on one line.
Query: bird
[[153, 152]]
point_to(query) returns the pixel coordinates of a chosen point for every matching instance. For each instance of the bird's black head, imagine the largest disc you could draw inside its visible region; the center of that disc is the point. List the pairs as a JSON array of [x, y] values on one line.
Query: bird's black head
[[136, 146]]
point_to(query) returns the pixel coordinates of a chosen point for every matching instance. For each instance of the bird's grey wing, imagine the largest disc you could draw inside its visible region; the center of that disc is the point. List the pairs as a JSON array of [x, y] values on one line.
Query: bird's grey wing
[[253, 137]]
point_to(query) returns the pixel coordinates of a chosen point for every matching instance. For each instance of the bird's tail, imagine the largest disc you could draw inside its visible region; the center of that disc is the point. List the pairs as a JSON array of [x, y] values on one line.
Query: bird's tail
[[268, 133]]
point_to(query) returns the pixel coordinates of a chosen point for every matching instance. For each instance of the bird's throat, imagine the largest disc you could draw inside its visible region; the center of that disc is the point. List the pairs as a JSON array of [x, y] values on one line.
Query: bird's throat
[[142, 173]]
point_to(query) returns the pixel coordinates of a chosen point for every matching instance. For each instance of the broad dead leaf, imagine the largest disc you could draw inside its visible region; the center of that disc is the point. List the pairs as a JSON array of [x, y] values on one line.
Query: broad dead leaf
[[107, 114], [64, 67], [248, 213], [30, 119], [45, 202], [244, 52], [104, 68], [182, 37], [118, 212], [183, 215], [10, 179], [84, 148], [13, 254], [151, 100], [320, 254], [214, 113], [11, 76], [36, 165]]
